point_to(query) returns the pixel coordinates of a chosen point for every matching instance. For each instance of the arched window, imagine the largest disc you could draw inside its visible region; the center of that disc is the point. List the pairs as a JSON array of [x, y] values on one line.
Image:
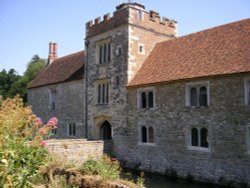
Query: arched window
[[144, 134], [193, 96], [106, 131], [203, 137], [194, 137], [150, 99], [203, 96], [151, 135], [143, 100]]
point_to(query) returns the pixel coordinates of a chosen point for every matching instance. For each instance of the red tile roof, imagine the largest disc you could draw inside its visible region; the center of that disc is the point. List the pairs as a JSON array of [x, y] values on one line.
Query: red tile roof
[[217, 51], [67, 68]]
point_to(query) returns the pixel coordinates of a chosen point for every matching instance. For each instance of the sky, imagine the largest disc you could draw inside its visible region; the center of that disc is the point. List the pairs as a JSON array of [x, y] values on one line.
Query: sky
[[27, 26]]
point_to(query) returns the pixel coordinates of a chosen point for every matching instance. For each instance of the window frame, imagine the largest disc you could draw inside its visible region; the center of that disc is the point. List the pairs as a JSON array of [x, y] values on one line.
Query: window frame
[[53, 99], [104, 51], [199, 147], [141, 46], [247, 91], [248, 139], [147, 91], [71, 129], [198, 86], [102, 92], [148, 138]]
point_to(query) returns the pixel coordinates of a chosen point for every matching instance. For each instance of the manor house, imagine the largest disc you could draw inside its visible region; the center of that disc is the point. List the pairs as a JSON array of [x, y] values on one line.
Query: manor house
[[162, 102]]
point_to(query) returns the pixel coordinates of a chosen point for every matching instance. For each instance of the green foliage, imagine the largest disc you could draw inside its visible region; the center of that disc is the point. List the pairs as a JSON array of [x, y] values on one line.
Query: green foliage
[[12, 84], [107, 168], [7, 79], [141, 180], [22, 151]]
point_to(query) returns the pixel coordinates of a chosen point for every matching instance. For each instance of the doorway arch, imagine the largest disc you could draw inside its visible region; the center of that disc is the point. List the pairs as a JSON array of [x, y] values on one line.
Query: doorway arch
[[106, 131]]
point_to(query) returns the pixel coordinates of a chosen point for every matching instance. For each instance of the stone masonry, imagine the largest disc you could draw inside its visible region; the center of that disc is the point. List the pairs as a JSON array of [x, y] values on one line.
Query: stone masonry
[[132, 33], [68, 110]]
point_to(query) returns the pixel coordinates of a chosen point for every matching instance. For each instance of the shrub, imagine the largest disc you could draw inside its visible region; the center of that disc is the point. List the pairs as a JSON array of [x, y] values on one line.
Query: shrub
[[22, 143], [107, 168]]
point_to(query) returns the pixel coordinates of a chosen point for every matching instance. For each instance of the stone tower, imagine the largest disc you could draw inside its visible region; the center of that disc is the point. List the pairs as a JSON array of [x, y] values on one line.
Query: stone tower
[[116, 47]]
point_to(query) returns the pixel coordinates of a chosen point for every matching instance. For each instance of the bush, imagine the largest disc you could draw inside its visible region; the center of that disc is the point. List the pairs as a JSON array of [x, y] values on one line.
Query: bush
[[107, 168], [22, 143]]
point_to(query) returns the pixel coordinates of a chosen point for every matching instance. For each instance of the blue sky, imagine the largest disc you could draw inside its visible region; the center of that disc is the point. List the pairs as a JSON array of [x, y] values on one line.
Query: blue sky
[[27, 26]]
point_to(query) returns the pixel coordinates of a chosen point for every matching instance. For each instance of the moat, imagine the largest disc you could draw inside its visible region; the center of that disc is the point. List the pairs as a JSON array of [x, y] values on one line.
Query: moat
[[160, 181]]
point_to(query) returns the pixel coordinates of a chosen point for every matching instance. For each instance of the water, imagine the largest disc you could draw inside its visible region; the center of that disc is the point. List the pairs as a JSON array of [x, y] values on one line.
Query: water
[[160, 181]]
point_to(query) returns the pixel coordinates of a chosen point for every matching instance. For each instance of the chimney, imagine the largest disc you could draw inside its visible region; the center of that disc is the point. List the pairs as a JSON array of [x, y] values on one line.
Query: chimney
[[52, 52]]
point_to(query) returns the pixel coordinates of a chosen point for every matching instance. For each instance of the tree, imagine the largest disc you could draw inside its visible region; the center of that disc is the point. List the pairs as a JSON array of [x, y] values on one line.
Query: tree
[[7, 79], [12, 84]]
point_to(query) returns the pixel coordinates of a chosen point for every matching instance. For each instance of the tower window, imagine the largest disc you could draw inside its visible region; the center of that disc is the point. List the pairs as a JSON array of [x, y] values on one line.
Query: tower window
[[141, 49], [102, 92], [104, 52]]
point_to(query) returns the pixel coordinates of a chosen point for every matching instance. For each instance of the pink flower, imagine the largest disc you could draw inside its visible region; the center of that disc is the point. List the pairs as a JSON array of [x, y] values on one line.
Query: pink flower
[[43, 143], [38, 122], [52, 122], [42, 131]]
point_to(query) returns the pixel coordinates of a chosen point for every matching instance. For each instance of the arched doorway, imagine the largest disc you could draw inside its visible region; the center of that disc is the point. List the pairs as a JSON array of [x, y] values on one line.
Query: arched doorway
[[106, 131]]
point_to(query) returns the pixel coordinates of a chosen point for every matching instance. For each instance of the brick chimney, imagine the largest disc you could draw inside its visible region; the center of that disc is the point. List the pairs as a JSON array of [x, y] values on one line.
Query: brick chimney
[[52, 52]]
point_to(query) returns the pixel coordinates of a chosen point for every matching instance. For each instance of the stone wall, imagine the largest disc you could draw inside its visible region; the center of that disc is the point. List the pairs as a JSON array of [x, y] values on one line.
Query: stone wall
[[226, 118], [69, 106], [77, 150]]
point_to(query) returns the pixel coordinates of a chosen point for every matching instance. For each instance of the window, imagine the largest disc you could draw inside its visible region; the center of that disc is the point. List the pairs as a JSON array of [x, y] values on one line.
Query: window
[[118, 51], [141, 48], [117, 81], [72, 129], [54, 131], [248, 139], [247, 91], [53, 100], [102, 92], [147, 134], [197, 94], [146, 98], [104, 52], [140, 15], [199, 137]]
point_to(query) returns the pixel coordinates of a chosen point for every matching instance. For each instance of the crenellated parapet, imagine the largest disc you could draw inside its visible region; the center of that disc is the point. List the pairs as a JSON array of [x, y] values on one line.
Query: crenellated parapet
[[134, 14]]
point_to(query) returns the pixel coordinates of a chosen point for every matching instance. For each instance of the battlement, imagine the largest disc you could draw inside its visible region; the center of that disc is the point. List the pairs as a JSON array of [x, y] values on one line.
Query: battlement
[[135, 14]]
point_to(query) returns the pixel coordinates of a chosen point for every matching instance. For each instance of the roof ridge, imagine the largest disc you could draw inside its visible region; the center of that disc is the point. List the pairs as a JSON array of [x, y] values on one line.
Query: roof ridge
[[83, 51], [206, 30]]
